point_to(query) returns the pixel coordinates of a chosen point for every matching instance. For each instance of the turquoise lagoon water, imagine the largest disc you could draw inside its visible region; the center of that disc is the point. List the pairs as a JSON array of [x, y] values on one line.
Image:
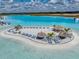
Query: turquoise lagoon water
[[12, 49], [43, 21]]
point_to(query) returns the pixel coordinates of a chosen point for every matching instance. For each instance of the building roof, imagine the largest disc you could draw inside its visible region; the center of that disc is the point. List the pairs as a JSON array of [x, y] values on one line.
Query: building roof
[[41, 34]]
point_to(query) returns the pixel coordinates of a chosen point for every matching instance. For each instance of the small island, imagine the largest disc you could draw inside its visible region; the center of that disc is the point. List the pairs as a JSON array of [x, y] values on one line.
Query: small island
[[53, 35]]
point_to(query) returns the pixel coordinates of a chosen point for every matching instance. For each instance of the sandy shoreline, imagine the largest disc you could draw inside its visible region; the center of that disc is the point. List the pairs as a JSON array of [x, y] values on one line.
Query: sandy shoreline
[[36, 44]]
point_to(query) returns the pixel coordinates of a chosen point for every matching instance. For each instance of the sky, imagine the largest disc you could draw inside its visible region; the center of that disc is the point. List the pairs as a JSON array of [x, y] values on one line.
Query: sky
[[38, 0]]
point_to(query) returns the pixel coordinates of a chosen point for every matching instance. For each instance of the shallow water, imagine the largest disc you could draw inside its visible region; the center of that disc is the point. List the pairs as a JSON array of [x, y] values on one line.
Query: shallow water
[[12, 49]]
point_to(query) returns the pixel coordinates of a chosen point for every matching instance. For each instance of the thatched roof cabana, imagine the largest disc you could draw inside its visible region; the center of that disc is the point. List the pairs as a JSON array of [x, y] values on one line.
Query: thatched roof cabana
[[18, 27], [41, 35]]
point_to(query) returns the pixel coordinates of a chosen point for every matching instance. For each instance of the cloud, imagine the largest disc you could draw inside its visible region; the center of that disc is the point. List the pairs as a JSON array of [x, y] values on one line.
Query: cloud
[[77, 0], [53, 1]]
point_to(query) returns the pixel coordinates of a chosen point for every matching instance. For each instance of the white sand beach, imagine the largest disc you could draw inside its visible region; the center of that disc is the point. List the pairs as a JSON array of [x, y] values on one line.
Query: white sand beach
[[68, 45]]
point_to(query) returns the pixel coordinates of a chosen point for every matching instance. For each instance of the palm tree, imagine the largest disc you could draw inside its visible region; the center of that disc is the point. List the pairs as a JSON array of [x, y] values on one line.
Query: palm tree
[[50, 35], [67, 29]]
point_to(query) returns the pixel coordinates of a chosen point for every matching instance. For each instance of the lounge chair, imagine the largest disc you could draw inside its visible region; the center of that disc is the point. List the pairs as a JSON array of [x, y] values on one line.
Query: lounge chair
[[36, 27], [23, 34], [33, 37], [27, 27], [9, 31], [14, 32], [30, 27], [43, 27], [33, 27], [39, 27], [26, 34], [49, 41], [57, 40], [29, 35], [47, 27]]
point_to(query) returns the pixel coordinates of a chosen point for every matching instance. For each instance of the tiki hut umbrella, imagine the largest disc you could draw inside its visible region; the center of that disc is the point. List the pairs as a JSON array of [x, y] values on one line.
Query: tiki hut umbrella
[[41, 35], [62, 35], [58, 28], [18, 27]]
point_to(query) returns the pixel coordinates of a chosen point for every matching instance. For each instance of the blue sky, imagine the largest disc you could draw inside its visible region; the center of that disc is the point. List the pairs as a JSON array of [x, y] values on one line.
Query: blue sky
[[39, 0]]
